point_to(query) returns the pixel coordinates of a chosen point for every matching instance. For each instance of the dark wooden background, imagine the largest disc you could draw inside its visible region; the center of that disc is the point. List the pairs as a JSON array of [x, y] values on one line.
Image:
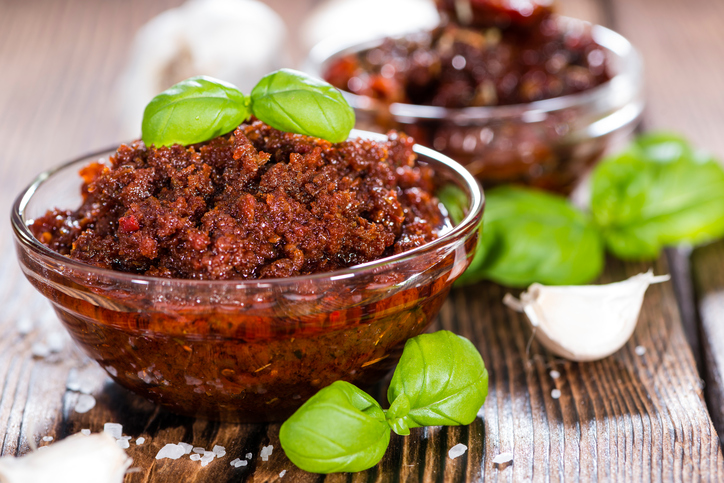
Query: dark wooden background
[[628, 417]]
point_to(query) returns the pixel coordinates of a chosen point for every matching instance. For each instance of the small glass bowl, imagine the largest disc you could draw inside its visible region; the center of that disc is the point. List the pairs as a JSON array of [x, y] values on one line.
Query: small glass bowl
[[550, 144], [245, 351]]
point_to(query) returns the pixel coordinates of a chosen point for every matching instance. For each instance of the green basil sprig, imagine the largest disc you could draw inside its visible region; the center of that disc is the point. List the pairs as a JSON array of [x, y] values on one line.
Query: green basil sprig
[[658, 192], [201, 108], [193, 111], [340, 428], [292, 101], [440, 380], [532, 236]]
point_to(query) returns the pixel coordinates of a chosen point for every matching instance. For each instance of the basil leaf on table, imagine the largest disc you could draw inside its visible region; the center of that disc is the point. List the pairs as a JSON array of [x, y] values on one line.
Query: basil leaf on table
[[292, 101], [531, 236], [193, 111], [656, 193], [441, 377], [340, 428]]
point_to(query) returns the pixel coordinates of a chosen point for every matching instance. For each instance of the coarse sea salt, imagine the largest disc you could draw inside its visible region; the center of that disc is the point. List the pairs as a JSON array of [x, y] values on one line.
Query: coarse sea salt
[[219, 451], [281, 475], [195, 457], [555, 374], [114, 430], [503, 458], [187, 447], [199, 449], [236, 462], [171, 451], [555, 393], [457, 450], [249, 456], [207, 458], [640, 350], [85, 403], [266, 452], [87, 432], [140, 440], [47, 438]]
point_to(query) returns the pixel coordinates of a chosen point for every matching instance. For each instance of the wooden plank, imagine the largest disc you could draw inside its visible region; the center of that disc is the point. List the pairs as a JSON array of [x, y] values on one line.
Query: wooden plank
[[708, 269], [627, 417]]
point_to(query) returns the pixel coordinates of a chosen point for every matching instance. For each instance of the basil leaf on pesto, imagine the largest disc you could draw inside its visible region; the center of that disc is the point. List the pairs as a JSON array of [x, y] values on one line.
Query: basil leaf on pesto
[[339, 429], [292, 101], [192, 111], [658, 192]]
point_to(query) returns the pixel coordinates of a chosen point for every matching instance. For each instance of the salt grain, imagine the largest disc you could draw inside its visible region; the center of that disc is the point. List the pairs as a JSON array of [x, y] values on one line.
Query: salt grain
[[39, 349], [140, 440], [219, 451], [281, 475], [249, 456], [555, 393], [266, 452], [195, 457], [640, 350], [114, 430], [555, 374], [85, 403], [55, 341], [24, 325], [47, 438], [123, 443], [207, 458], [457, 450], [239, 462], [171, 451], [199, 450], [187, 447], [503, 458], [87, 432]]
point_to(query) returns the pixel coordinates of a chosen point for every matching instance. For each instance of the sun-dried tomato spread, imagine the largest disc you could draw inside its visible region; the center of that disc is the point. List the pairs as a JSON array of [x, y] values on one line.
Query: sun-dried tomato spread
[[257, 203], [508, 53]]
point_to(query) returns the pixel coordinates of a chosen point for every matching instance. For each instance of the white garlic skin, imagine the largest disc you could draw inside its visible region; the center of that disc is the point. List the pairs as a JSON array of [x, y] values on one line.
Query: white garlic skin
[[349, 22], [238, 41], [585, 322], [96, 458]]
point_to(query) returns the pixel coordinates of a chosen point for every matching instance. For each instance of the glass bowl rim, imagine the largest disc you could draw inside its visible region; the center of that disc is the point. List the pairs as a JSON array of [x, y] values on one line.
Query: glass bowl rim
[[610, 40], [26, 238]]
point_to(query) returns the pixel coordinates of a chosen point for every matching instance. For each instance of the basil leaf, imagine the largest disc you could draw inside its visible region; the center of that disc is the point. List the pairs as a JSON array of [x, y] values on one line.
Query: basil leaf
[[656, 193], [193, 111], [443, 377], [292, 101], [454, 200], [339, 429], [531, 236]]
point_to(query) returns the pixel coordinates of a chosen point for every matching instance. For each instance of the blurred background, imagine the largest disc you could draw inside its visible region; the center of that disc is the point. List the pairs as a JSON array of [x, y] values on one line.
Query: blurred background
[[76, 74]]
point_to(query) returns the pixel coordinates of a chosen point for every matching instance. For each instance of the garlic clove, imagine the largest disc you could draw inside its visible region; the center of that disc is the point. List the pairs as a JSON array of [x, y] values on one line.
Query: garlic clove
[[585, 322], [77, 459], [238, 41], [349, 22]]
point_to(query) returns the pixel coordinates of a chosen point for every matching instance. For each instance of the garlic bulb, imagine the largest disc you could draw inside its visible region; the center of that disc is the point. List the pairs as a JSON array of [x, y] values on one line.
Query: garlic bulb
[[349, 22], [238, 41], [77, 459], [586, 322]]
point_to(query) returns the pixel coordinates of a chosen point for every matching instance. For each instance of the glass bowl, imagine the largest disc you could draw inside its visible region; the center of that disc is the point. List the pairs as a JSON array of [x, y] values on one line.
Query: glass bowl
[[245, 351], [550, 144]]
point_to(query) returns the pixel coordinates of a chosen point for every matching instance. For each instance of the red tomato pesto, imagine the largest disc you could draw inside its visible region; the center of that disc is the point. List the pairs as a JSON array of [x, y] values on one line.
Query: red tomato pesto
[[258, 203]]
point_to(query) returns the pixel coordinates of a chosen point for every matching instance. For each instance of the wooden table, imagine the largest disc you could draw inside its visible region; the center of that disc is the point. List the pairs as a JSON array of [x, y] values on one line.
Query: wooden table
[[632, 416]]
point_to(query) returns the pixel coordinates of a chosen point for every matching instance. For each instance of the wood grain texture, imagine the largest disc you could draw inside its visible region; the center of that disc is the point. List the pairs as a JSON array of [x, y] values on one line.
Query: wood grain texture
[[628, 417], [708, 269]]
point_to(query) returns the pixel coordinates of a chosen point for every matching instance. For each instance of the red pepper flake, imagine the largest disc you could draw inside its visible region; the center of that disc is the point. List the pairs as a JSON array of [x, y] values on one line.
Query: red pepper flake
[[129, 223]]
